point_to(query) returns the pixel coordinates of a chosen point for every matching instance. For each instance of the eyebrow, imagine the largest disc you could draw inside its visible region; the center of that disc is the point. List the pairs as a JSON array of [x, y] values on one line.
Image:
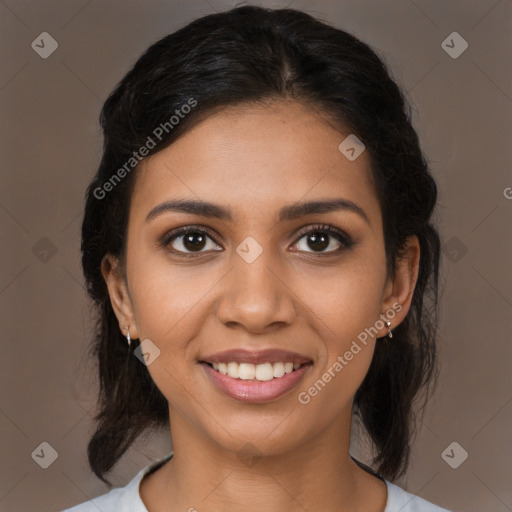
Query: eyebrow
[[288, 213]]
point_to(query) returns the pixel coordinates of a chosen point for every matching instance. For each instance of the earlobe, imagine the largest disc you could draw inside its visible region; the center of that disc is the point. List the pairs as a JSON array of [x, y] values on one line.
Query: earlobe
[[119, 296]]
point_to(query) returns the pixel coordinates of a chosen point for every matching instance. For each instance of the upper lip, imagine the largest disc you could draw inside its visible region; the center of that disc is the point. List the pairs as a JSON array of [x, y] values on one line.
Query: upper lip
[[241, 355]]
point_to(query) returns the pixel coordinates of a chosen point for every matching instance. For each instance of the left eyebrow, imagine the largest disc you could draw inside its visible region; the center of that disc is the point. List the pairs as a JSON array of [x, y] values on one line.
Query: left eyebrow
[[329, 205], [286, 213]]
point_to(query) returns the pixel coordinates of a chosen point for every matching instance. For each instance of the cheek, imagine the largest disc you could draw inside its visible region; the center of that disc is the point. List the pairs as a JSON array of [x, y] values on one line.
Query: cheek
[[166, 306], [345, 305], [165, 301], [346, 299], [345, 308], [173, 309]]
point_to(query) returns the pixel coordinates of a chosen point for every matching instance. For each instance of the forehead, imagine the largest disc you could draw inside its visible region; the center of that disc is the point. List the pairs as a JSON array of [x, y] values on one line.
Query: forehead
[[255, 159]]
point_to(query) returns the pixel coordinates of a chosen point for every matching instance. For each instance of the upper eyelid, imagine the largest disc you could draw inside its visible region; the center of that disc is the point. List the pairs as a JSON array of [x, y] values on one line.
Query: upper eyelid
[[330, 229]]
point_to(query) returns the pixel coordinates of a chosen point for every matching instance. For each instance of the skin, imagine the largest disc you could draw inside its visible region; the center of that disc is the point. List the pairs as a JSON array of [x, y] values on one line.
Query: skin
[[254, 160]]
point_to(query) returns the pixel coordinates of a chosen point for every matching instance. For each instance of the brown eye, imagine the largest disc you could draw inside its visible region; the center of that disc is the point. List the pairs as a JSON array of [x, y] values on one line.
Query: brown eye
[[323, 239], [191, 240], [318, 241]]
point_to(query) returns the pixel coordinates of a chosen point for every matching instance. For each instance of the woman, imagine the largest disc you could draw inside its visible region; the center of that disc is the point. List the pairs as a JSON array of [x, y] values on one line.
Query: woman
[[258, 241]]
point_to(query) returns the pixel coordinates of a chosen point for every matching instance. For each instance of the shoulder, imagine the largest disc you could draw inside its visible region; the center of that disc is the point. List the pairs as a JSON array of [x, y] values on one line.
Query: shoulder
[[125, 498], [402, 501], [110, 502]]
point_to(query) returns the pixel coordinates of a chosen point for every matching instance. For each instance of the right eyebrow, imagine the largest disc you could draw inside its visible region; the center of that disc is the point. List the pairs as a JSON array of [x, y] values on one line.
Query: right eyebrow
[[195, 207]]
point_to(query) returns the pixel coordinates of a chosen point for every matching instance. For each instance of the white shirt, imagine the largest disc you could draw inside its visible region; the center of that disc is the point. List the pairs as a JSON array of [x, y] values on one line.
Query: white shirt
[[127, 499]]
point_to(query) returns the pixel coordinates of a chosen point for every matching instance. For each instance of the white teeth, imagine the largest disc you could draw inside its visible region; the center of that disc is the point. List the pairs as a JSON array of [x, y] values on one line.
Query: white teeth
[[246, 371], [278, 369], [261, 372], [264, 371], [233, 370]]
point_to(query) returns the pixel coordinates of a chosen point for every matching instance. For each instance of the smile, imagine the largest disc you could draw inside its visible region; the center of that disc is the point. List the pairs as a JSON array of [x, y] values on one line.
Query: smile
[[260, 372], [255, 375]]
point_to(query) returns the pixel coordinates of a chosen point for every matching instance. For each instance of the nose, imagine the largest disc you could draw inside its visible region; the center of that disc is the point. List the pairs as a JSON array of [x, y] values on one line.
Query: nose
[[255, 296]]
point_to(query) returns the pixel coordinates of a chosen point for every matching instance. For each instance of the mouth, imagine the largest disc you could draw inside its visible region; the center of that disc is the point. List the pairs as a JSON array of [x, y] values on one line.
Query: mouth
[[256, 376]]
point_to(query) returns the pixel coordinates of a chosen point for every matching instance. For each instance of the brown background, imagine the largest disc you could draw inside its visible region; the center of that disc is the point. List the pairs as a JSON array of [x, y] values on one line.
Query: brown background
[[51, 146]]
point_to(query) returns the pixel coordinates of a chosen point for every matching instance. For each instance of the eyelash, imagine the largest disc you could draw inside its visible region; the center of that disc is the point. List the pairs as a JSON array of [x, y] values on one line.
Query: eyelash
[[342, 237]]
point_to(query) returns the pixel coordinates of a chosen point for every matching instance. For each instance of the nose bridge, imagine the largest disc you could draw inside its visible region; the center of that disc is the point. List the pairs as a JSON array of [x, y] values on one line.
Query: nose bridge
[[254, 295]]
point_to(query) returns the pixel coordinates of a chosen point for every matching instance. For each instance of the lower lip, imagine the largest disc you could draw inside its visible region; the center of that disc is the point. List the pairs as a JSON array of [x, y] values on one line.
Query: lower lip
[[255, 391]]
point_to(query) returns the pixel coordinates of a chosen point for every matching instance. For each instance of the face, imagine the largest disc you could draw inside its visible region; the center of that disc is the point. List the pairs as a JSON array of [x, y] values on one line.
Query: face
[[257, 272]]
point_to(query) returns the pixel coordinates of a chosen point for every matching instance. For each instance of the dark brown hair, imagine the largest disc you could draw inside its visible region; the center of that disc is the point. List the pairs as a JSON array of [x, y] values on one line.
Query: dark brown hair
[[247, 55]]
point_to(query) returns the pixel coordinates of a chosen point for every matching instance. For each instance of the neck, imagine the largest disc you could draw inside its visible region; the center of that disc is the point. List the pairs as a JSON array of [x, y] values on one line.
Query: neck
[[320, 475]]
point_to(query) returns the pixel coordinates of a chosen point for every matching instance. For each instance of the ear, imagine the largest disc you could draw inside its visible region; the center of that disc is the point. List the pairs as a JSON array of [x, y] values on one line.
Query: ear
[[399, 289], [119, 296]]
